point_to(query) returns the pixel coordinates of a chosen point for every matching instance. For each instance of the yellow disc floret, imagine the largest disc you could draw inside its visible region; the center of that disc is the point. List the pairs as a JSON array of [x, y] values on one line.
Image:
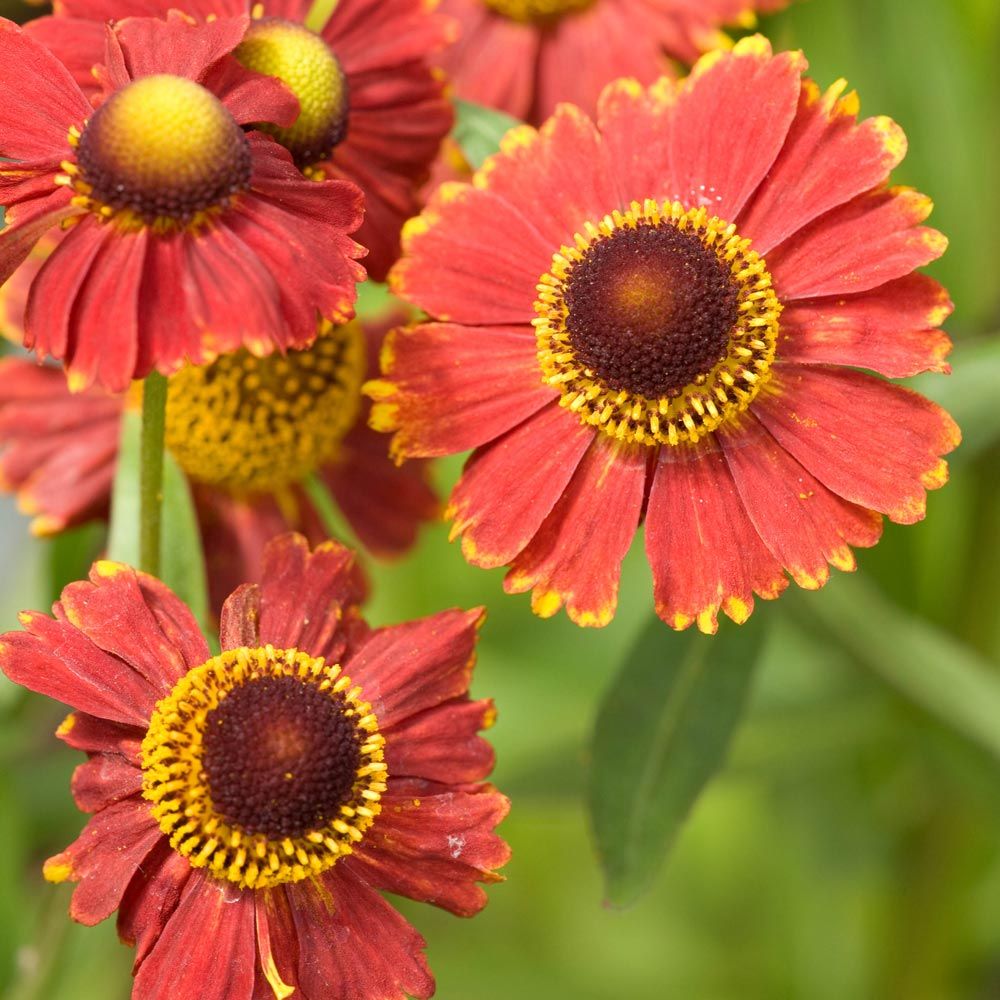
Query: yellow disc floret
[[162, 151], [658, 325], [257, 425], [303, 61], [536, 10], [264, 766]]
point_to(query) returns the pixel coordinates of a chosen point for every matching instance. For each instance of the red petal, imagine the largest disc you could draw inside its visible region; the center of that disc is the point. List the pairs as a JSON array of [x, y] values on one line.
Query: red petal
[[277, 945], [510, 486], [869, 441], [890, 330], [704, 552], [252, 97], [443, 743], [103, 780], [803, 524], [151, 898], [93, 735], [305, 596], [104, 858], [729, 123], [577, 553], [41, 100], [77, 42], [405, 669], [206, 950], [353, 944], [137, 620], [863, 244], [240, 621], [450, 388], [828, 158], [27, 223], [434, 843]]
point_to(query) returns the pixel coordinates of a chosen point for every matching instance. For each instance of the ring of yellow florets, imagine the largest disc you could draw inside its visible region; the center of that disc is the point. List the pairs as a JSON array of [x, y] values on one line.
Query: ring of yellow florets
[[258, 425], [308, 67], [162, 152], [537, 10], [716, 394], [177, 786]]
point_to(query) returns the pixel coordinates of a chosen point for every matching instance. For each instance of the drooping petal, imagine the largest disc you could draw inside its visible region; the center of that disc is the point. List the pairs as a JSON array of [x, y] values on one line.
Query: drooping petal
[[575, 558], [103, 859], [435, 843], [277, 945], [103, 780], [890, 329], [509, 487], [869, 441], [406, 669], [378, 955], [828, 159], [450, 388], [94, 735], [705, 554], [185, 964], [805, 526]]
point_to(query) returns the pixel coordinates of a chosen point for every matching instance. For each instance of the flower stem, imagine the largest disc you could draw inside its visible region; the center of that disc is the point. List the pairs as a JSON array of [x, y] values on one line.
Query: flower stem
[[154, 408]]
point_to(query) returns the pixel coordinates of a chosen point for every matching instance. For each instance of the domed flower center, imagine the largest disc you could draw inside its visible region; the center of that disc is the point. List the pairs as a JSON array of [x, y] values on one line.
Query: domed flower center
[[162, 150], [303, 61], [536, 10], [258, 425], [264, 766], [658, 325]]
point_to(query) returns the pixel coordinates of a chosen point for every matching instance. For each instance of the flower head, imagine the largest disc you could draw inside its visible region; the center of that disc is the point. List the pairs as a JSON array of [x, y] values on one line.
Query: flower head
[[254, 802], [373, 109], [525, 56], [247, 431], [659, 318], [187, 236]]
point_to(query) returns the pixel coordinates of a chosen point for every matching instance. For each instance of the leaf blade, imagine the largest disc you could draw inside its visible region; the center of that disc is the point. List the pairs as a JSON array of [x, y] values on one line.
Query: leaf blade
[[478, 130]]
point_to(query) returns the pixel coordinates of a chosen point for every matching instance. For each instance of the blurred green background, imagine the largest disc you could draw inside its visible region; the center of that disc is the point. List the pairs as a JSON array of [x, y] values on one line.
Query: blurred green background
[[851, 847]]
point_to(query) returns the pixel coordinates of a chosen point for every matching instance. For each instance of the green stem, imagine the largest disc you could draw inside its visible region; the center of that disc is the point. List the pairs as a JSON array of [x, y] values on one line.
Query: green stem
[[154, 409]]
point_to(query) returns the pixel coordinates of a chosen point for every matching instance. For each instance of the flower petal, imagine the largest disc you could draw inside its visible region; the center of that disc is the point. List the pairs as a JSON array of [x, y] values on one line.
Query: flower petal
[[449, 388], [576, 555], [103, 859], [705, 553], [434, 843], [378, 955], [828, 159], [103, 780], [406, 669], [729, 123], [889, 329], [869, 441], [509, 487], [803, 524], [93, 735]]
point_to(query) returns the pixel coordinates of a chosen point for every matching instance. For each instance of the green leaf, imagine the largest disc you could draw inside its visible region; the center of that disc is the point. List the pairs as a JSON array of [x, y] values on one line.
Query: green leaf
[[928, 666], [662, 732], [182, 560], [969, 394], [478, 130]]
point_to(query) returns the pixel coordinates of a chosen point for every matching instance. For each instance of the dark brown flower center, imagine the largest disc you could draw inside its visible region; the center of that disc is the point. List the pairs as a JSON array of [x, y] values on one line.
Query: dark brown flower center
[[304, 62], [650, 309], [280, 756], [163, 148]]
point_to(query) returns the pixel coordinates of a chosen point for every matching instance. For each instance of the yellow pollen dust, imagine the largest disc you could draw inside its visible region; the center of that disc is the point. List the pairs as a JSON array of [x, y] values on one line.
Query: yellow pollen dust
[[304, 62], [536, 10], [258, 425], [712, 399], [175, 783], [161, 151]]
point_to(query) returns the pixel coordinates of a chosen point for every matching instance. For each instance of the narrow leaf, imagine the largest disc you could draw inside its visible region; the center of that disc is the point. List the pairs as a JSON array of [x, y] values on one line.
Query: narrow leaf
[[928, 666], [478, 130], [182, 560], [662, 732]]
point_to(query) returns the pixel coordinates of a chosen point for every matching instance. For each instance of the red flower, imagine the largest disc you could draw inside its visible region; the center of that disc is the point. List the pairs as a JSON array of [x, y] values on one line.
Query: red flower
[[188, 236], [252, 804], [58, 451], [658, 318], [373, 109], [525, 56]]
